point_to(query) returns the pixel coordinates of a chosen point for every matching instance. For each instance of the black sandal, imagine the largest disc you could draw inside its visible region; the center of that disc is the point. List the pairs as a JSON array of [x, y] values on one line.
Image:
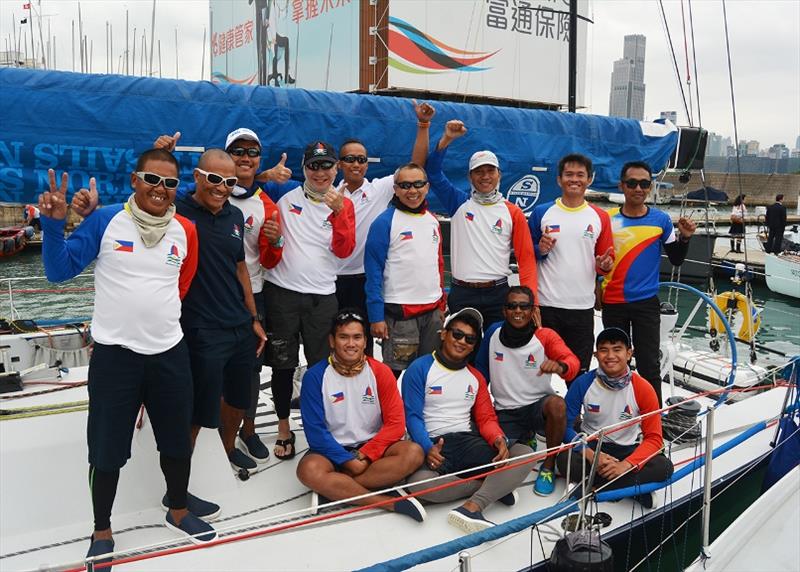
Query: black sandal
[[285, 443]]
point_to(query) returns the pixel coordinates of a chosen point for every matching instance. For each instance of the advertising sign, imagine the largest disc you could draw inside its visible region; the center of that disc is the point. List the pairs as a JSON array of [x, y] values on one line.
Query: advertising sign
[[311, 44], [511, 49]]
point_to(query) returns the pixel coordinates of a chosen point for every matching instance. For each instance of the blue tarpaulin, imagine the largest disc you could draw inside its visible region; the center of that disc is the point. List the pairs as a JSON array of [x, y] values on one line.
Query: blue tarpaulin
[[96, 125]]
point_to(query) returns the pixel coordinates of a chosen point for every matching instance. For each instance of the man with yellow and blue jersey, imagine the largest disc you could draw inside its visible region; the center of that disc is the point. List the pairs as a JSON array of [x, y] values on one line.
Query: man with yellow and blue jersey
[[630, 289]]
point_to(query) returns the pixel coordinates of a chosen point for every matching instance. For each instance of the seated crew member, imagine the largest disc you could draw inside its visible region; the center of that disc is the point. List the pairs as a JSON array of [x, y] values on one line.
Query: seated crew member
[[300, 291], [609, 395], [444, 399], [354, 422], [405, 272], [517, 358], [630, 290], [139, 355], [370, 199], [485, 230]]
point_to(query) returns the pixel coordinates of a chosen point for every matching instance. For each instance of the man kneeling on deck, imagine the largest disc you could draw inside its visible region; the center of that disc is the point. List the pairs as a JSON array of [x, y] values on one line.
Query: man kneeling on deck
[[517, 358], [139, 356], [353, 420], [443, 396], [609, 395]]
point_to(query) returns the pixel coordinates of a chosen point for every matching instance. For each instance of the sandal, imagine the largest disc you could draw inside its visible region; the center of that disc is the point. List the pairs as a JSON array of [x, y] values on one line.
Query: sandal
[[286, 443]]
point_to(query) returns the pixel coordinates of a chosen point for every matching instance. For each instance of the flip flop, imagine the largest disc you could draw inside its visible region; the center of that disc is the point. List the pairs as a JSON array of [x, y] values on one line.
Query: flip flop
[[285, 443]]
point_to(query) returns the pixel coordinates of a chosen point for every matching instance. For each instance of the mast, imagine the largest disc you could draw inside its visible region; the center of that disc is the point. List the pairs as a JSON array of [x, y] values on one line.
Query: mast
[[30, 21], [176, 53], [203, 59], [152, 36], [127, 70], [573, 55], [41, 39], [73, 45]]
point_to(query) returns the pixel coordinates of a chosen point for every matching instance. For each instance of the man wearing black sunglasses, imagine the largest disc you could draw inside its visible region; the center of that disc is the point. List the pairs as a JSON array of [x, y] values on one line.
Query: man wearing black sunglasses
[[517, 359], [370, 199], [299, 292], [146, 260], [486, 228], [630, 290], [405, 272], [449, 414]]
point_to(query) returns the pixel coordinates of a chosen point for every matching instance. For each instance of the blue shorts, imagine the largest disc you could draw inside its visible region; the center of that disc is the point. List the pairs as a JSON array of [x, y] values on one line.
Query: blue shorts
[[222, 366], [521, 423], [120, 381], [464, 450]]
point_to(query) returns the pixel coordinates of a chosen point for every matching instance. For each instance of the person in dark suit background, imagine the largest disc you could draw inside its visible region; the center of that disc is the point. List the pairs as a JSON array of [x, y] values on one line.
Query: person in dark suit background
[[776, 224]]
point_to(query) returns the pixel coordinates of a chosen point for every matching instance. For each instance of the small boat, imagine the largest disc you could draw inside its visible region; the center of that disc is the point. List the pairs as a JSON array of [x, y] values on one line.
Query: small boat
[[14, 238], [783, 273]]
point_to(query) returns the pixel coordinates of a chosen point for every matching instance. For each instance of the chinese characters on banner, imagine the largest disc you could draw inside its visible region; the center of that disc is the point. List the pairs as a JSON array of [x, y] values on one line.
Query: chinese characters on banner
[[523, 17], [310, 9], [235, 37]]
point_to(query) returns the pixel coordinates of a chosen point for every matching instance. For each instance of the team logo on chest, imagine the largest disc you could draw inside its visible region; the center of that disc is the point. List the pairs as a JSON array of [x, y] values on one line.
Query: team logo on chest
[[497, 228], [296, 209], [368, 397], [530, 362], [407, 235], [551, 228], [498, 356], [589, 232], [326, 224], [248, 224], [626, 413], [435, 390], [469, 394], [174, 256], [123, 245], [469, 216], [593, 407], [337, 397], [236, 232]]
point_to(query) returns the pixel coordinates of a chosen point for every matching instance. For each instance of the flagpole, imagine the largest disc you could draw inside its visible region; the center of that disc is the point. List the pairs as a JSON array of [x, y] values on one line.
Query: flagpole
[[73, 45], [30, 21], [152, 36], [15, 46]]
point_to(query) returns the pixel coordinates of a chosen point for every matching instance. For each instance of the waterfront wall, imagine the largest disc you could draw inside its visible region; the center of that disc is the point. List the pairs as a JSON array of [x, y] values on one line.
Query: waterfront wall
[[759, 189]]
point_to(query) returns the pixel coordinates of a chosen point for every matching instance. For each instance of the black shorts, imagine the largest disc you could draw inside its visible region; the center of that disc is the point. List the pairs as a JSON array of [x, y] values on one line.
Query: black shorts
[[464, 450], [120, 381], [520, 424], [222, 366]]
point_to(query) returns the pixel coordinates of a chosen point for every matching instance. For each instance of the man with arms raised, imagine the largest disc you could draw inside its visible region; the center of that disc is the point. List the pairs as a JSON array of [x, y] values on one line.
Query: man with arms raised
[[300, 291], [610, 395], [485, 230], [517, 358], [146, 259], [405, 272], [354, 422], [219, 315], [630, 290], [449, 414], [370, 199], [573, 244]]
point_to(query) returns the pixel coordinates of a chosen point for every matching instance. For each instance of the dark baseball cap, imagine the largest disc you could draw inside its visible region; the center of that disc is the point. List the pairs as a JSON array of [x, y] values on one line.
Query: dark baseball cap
[[613, 335], [319, 151]]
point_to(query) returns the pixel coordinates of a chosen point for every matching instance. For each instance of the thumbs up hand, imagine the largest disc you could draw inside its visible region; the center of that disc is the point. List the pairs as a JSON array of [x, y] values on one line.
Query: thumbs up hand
[[434, 457], [272, 229], [166, 142], [280, 173]]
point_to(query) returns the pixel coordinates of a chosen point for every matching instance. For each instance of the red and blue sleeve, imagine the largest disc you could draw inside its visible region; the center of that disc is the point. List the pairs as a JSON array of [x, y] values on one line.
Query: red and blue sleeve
[[189, 266], [451, 197], [606, 239], [312, 411], [575, 394], [375, 253], [483, 411], [269, 255], [394, 422], [413, 390], [652, 441], [556, 349], [343, 238], [522, 243]]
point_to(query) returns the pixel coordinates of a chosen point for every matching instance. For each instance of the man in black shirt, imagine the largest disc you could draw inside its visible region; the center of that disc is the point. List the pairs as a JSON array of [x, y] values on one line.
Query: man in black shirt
[[776, 224]]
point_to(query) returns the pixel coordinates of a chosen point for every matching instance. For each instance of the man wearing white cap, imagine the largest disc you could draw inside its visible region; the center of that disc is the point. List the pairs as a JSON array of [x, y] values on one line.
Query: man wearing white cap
[[485, 229]]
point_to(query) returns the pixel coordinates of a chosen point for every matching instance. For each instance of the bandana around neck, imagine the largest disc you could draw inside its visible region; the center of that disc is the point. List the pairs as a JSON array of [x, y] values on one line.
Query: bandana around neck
[[348, 370], [398, 204], [312, 194], [486, 198], [615, 383], [151, 228], [512, 337]]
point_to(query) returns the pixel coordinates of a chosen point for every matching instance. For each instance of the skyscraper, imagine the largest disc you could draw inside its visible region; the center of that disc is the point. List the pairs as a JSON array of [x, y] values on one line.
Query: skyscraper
[[627, 80]]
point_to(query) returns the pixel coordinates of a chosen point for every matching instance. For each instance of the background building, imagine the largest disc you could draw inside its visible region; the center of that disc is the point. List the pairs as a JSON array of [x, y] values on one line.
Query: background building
[[627, 80], [671, 115]]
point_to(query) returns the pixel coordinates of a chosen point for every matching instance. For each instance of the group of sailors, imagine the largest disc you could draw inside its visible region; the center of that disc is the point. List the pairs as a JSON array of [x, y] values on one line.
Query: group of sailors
[[196, 291]]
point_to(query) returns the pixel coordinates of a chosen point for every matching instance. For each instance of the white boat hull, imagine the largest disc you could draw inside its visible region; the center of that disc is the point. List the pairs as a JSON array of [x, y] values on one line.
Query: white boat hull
[[783, 274]]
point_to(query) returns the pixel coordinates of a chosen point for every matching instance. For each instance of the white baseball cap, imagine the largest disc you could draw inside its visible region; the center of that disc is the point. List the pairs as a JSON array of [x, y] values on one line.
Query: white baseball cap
[[483, 158], [472, 312], [241, 133]]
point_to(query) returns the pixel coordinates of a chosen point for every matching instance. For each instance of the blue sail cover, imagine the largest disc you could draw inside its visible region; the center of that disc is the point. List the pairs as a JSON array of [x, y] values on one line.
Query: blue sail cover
[[96, 125]]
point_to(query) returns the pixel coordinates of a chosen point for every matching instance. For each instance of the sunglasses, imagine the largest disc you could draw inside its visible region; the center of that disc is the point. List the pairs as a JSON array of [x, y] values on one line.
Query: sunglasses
[[345, 316], [154, 180], [241, 151], [408, 184], [633, 183], [324, 165], [216, 179], [360, 159], [470, 339], [518, 305]]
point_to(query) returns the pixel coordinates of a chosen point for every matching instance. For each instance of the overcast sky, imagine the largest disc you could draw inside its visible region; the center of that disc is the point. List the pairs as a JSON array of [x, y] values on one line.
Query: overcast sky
[[764, 35]]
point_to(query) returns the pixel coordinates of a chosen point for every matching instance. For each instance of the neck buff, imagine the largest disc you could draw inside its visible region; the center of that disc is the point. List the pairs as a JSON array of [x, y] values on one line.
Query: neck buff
[[318, 196], [512, 337], [615, 383], [348, 370], [486, 198], [245, 192], [455, 365], [151, 228], [398, 204]]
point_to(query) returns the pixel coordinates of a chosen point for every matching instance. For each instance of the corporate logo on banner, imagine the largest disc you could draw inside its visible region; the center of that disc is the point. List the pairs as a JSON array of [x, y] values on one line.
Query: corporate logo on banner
[[415, 51], [525, 192]]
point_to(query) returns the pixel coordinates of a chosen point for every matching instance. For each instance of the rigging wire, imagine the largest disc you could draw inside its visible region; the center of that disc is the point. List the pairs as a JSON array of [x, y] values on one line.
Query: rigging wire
[[688, 74], [696, 77], [672, 53]]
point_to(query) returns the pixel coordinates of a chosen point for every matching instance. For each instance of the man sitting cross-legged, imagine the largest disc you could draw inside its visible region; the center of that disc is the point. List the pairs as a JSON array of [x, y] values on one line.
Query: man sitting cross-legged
[[353, 420]]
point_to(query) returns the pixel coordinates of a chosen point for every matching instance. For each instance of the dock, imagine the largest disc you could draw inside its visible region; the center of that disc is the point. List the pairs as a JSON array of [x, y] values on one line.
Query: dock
[[755, 258]]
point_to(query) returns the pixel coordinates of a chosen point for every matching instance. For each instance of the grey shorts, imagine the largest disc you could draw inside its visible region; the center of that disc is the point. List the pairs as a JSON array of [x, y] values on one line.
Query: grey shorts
[[411, 338], [290, 315]]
